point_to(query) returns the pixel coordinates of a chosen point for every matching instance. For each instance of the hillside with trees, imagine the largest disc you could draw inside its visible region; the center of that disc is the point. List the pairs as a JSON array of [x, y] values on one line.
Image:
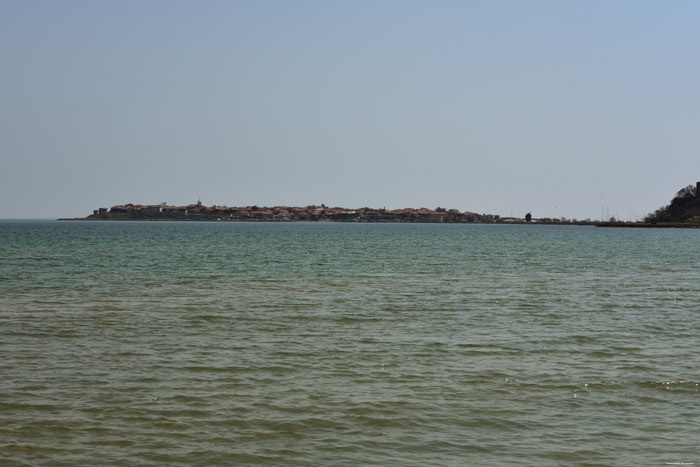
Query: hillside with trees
[[684, 208]]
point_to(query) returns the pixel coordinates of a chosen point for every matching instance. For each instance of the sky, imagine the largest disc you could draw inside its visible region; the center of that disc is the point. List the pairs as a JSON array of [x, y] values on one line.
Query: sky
[[577, 108]]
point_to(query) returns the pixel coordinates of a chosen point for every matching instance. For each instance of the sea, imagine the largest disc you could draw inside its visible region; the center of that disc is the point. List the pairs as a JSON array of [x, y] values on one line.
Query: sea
[[347, 344]]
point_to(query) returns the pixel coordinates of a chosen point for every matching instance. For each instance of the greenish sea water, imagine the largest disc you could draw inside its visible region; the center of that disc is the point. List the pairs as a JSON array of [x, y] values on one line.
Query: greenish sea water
[[127, 343]]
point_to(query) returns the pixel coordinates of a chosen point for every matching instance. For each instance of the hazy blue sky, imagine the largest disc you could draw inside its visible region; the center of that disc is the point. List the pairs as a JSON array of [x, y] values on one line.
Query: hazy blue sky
[[554, 107]]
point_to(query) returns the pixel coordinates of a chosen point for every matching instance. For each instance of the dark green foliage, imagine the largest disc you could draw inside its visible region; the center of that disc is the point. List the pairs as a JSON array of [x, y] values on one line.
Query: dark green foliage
[[684, 207]]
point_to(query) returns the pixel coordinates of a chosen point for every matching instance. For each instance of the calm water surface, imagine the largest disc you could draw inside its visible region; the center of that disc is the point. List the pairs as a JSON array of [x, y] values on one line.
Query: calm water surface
[[347, 344]]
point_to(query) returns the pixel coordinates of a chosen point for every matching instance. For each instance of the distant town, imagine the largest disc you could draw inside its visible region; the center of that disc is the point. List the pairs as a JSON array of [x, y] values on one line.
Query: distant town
[[312, 213], [682, 212]]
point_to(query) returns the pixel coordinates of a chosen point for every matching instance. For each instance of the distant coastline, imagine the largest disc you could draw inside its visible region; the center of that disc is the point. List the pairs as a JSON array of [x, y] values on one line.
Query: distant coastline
[[682, 212], [311, 213]]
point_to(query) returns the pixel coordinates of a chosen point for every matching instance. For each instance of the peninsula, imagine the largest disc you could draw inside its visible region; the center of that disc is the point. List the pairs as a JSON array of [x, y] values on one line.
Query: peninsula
[[312, 213], [683, 211]]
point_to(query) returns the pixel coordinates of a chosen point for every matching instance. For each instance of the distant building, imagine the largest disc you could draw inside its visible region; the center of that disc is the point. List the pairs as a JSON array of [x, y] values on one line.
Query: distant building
[[152, 209]]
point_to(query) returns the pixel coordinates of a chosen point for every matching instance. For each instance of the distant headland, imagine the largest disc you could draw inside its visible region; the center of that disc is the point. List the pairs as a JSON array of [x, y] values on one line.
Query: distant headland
[[311, 213], [682, 212]]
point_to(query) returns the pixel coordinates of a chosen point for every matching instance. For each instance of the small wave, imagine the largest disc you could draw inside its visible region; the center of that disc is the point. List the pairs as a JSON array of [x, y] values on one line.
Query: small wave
[[675, 385]]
